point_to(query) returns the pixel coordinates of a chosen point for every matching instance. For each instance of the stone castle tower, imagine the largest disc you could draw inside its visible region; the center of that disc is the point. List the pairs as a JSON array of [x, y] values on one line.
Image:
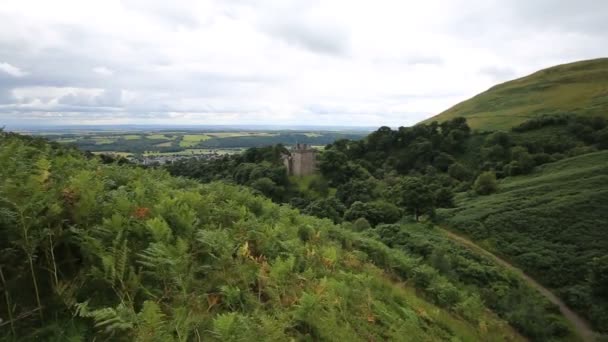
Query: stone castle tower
[[301, 160]]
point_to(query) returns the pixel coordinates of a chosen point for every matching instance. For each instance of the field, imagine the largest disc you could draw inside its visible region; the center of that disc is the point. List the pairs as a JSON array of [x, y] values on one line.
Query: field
[[576, 88], [164, 142], [190, 140]]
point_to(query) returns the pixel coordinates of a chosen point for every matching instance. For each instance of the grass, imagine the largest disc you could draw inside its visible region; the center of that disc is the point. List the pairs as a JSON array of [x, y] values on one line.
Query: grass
[[131, 136], [312, 134], [66, 140], [576, 88], [190, 140], [240, 134], [102, 140], [160, 136], [551, 223]]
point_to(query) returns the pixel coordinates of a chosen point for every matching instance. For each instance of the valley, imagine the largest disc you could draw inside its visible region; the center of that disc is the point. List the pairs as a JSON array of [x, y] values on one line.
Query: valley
[[161, 146]]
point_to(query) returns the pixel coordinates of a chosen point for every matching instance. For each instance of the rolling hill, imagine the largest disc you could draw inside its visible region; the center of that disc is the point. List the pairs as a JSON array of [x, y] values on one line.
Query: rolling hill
[[576, 88]]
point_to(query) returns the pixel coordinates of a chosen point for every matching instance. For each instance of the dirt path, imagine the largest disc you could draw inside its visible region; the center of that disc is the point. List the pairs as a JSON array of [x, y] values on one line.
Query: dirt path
[[581, 326]]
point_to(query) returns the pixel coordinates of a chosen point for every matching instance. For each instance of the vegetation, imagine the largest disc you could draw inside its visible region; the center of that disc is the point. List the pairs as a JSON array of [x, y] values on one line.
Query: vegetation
[[549, 226], [502, 291], [98, 251], [576, 88], [179, 141], [552, 223]]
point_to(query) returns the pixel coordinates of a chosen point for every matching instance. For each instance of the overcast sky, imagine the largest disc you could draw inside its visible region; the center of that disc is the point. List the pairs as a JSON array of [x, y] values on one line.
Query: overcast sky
[[280, 62]]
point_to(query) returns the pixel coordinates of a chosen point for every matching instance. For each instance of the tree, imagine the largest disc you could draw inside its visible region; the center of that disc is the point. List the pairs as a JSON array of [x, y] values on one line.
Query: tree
[[331, 165], [523, 158], [444, 198], [599, 276], [485, 183], [443, 161], [459, 171], [267, 187], [356, 190], [329, 208], [416, 196], [374, 212]]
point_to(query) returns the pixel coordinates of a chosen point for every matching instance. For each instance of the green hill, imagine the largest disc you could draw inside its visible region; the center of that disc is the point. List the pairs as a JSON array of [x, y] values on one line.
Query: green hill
[[577, 88], [551, 223], [94, 251]]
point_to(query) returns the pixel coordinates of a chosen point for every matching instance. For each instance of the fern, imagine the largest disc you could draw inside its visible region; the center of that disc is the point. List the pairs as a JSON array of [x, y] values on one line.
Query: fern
[[159, 229], [231, 327], [110, 320], [151, 324]]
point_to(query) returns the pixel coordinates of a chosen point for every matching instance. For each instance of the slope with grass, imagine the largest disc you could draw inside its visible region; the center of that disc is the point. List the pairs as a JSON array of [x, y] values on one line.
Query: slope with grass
[[113, 252], [577, 88], [552, 224], [580, 325]]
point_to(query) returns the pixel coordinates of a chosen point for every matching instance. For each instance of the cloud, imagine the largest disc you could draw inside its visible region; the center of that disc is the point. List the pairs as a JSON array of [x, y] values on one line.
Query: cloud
[[325, 40], [11, 70], [498, 73], [305, 25], [103, 71], [276, 61]]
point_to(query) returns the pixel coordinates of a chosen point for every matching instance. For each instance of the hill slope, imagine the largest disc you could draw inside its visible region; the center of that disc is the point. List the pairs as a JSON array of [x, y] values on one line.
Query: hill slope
[[552, 224], [109, 252], [575, 88]]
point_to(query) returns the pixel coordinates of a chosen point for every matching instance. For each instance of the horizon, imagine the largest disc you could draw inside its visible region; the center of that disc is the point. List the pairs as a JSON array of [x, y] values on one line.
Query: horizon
[[284, 63], [193, 127]]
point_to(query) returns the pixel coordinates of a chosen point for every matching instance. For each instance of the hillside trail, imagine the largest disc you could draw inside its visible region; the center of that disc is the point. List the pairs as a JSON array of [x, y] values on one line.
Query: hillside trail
[[580, 325]]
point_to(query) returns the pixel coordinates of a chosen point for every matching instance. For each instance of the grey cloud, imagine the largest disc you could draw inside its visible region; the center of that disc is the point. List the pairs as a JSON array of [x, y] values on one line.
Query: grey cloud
[[6, 96], [296, 23], [238, 58], [498, 73], [430, 60], [412, 60], [172, 13], [330, 41], [108, 98], [584, 16]]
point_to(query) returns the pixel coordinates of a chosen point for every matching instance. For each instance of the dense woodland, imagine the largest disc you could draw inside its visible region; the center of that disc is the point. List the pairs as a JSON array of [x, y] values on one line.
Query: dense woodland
[[416, 172]]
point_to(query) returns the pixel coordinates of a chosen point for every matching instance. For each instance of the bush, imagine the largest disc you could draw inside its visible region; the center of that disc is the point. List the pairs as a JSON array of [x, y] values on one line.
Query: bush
[[485, 183]]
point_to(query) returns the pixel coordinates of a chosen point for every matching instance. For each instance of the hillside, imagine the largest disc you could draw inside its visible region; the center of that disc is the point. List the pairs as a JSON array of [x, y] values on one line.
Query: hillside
[[552, 224], [114, 252], [577, 88]]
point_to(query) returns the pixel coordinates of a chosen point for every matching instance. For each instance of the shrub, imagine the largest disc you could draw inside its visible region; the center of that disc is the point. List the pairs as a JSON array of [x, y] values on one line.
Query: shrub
[[485, 183]]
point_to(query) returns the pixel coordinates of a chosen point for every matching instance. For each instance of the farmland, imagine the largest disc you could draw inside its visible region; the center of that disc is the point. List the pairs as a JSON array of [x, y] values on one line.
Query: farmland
[[163, 145]]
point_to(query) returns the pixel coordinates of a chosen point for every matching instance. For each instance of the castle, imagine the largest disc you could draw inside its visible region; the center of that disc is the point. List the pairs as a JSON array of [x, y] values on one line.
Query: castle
[[301, 160]]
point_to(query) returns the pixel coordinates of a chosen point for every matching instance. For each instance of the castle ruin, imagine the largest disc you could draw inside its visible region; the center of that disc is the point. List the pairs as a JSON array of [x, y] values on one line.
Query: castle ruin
[[300, 160]]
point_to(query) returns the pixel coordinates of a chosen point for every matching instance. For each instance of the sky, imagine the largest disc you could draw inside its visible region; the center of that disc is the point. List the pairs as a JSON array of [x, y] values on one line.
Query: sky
[[283, 62]]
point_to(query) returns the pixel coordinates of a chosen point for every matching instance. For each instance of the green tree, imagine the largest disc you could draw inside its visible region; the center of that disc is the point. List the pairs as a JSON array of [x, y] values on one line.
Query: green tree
[[415, 196], [485, 183], [374, 212]]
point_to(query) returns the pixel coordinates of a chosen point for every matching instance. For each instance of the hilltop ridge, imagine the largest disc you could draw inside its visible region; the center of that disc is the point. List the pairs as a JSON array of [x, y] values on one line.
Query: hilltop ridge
[[579, 88]]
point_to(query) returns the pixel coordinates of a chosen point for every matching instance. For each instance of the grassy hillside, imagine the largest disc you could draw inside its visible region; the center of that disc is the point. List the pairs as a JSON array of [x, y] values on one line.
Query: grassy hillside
[[575, 88], [551, 223], [110, 252]]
